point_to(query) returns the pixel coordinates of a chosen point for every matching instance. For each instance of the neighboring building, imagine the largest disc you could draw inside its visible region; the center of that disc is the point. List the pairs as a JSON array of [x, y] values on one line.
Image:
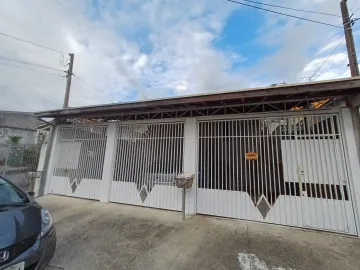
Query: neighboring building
[[18, 160], [21, 124], [285, 154]]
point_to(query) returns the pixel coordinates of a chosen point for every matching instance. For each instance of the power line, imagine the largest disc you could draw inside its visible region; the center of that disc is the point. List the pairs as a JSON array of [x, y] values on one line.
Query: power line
[[284, 14], [356, 8], [308, 77], [28, 63], [295, 9], [32, 43], [82, 80], [40, 71], [327, 59]]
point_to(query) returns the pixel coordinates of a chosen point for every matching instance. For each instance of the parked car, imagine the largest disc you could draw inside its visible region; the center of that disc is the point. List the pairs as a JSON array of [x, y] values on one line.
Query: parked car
[[27, 234]]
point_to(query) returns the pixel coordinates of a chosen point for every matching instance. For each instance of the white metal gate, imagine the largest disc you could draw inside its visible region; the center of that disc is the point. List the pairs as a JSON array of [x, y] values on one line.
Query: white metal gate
[[284, 170], [78, 161], [148, 157]]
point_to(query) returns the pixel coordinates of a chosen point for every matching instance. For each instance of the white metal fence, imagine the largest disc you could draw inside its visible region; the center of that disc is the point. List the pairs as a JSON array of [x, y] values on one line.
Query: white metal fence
[[288, 170], [148, 156], [78, 161], [284, 170]]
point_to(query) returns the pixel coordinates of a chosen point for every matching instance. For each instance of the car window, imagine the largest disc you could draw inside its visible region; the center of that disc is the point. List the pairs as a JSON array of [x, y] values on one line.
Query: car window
[[9, 194]]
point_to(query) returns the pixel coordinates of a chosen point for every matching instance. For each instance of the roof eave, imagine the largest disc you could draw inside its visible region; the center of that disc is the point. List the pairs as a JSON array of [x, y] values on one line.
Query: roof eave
[[284, 91]]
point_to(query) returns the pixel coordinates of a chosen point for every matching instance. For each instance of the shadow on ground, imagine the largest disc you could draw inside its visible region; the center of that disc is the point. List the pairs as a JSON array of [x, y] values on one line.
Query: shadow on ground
[[93, 235]]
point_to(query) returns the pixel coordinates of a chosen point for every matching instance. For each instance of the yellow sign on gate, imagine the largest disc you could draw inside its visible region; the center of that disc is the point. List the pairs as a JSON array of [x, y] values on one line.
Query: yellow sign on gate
[[252, 156]]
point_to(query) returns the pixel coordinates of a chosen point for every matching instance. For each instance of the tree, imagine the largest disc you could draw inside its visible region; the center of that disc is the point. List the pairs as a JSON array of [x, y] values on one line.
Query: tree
[[14, 140], [16, 152]]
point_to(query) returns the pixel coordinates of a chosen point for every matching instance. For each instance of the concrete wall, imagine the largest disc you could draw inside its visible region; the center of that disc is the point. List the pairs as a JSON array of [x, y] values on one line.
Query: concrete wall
[[40, 167], [23, 120], [27, 136], [353, 161], [20, 124]]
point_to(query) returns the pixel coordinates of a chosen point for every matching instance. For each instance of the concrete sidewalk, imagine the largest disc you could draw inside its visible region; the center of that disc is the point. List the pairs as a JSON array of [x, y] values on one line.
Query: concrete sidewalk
[[93, 235]]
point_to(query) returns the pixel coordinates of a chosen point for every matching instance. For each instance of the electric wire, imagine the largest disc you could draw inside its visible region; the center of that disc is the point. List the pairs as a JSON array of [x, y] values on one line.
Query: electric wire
[[294, 9], [40, 71], [331, 54], [89, 84], [284, 14], [31, 43], [355, 9], [28, 63]]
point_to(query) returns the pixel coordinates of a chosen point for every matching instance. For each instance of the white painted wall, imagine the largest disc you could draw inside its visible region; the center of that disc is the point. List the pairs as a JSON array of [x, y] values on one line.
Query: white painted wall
[[190, 162], [107, 176], [40, 167], [54, 133], [353, 161]]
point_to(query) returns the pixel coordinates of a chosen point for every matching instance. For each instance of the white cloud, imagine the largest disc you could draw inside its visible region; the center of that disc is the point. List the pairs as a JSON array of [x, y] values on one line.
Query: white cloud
[[127, 50], [334, 60], [63, 26], [135, 49], [181, 87], [332, 67], [301, 47], [330, 46]]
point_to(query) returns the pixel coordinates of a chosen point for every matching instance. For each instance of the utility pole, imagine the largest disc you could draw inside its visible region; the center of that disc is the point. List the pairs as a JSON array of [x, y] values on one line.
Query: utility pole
[[347, 22], [354, 69], [69, 74]]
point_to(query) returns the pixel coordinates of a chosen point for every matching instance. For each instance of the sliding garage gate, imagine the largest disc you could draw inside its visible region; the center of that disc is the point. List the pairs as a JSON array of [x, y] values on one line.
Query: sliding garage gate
[[78, 161], [148, 156], [283, 170]]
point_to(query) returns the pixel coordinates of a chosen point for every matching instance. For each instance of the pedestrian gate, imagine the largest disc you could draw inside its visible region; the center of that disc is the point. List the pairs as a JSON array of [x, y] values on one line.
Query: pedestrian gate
[[78, 161], [148, 157], [284, 170]]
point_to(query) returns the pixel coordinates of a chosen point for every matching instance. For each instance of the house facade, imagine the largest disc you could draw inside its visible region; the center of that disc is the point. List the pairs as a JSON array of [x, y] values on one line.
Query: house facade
[[283, 155]]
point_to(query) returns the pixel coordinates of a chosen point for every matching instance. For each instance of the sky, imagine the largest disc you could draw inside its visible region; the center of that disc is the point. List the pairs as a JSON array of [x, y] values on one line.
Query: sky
[[128, 50]]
